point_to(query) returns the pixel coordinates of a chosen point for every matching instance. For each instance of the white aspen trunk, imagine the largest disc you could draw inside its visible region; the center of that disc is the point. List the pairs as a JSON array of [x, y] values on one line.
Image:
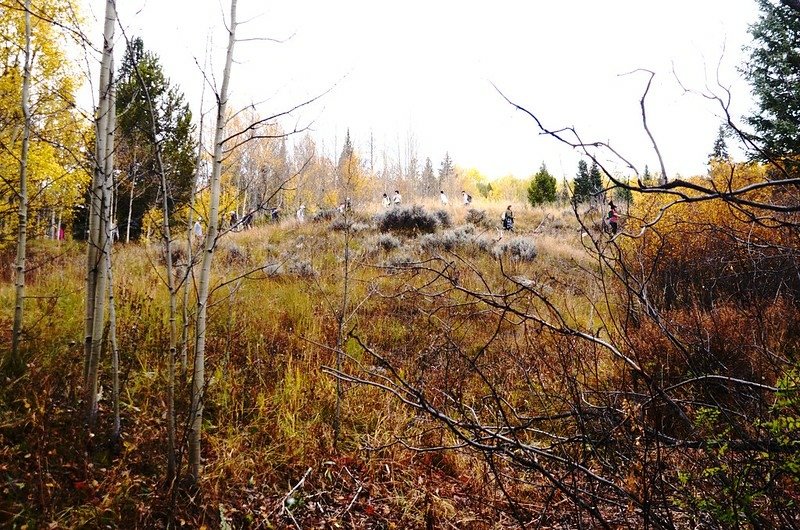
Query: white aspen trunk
[[198, 375], [111, 225], [104, 250], [58, 226], [22, 234], [99, 236], [112, 332], [190, 259], [93, 262], [130, 209], [190, 264]]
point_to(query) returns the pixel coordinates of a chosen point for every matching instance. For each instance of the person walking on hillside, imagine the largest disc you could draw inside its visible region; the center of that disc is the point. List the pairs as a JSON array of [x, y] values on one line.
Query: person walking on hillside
[[466, 197], [397, 198], [508, 219], [301, 213], [613, 217], [385, 201], [443, 198], [197, 230]]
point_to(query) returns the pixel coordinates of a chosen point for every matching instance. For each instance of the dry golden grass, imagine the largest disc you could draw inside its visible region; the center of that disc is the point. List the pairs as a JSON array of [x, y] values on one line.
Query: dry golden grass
[[277, 292]]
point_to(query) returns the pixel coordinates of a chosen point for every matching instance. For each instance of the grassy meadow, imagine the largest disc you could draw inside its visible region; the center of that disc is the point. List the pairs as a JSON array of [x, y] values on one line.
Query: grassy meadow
[[278, 294], [487, 380]]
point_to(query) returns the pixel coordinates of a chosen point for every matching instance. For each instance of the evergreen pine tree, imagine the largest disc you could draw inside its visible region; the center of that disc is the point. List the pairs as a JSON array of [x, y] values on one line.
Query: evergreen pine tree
[[542, 188], [135, 150], [582, 188], [774, 72], [564, 192], [595, 180], [647, 178], [720, 150], [346, 156]]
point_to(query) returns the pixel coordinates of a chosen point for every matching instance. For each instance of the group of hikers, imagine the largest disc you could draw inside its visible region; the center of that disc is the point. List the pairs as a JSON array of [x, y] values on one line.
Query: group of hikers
[[235, 222], [506, 219]]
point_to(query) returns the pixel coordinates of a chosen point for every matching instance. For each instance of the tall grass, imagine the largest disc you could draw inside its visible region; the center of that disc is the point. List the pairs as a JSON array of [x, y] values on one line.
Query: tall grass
[[270, 406]]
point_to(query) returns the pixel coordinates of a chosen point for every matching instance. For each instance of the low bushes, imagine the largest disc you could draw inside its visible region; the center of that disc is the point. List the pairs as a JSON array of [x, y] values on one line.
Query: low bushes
[[411, 220]]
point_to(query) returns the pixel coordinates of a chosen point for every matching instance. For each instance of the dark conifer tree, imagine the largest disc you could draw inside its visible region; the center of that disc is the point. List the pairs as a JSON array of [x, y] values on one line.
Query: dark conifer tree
[[135, 151]]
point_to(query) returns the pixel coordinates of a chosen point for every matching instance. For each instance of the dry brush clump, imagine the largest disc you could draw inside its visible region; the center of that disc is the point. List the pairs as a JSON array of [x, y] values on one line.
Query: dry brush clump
[[387, 242], [707, 307], [342, 223], [447, 239], [478, 218], [517, 248], [411, 220], [490, 375]]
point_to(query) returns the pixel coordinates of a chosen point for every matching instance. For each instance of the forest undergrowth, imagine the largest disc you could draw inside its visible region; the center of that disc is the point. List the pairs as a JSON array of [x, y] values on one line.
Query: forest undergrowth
[[470, 398]]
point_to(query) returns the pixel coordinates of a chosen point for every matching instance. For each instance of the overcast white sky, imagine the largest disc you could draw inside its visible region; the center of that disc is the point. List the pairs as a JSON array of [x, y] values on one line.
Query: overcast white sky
[[423, 69]]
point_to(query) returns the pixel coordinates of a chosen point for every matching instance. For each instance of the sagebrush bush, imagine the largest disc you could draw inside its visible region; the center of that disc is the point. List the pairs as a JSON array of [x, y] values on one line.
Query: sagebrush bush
[[274, 269], [340, 224], [400, 261], [476, 217], [273, 250], [413, 219], [327, 214], [302, 269], [387, 242], [232, 253], [521, 248], [447, 239], [443, 217], [483, 243]]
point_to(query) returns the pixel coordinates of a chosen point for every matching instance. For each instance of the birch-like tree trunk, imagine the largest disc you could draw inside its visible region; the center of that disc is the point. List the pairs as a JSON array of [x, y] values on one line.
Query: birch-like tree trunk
[[96, 283], [111, 225], [22, 235], [112, 332], [130, 207], [198, 375], [190, 260]]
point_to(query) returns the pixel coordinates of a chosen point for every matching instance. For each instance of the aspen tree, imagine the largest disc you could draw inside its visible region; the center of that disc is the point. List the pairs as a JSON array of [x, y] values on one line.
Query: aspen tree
[[96, 280], [198, 375], [19, 266]]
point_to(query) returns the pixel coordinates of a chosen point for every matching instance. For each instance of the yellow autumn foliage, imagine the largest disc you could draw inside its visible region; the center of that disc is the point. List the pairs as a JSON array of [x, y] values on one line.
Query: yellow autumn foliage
[[709, 251], [57, 179]]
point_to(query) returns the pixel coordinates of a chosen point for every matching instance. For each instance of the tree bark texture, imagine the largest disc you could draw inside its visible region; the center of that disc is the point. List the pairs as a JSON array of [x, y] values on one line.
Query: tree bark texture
[[198, 375], [96, 282], [22, 235]]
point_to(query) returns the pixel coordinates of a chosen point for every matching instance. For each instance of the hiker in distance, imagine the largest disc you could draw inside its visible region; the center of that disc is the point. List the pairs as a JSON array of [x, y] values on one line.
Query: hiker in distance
[[397, 198], [466, 198], [613, 217], [443, 198], [385, 201], [197, 230], [507, 219]]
